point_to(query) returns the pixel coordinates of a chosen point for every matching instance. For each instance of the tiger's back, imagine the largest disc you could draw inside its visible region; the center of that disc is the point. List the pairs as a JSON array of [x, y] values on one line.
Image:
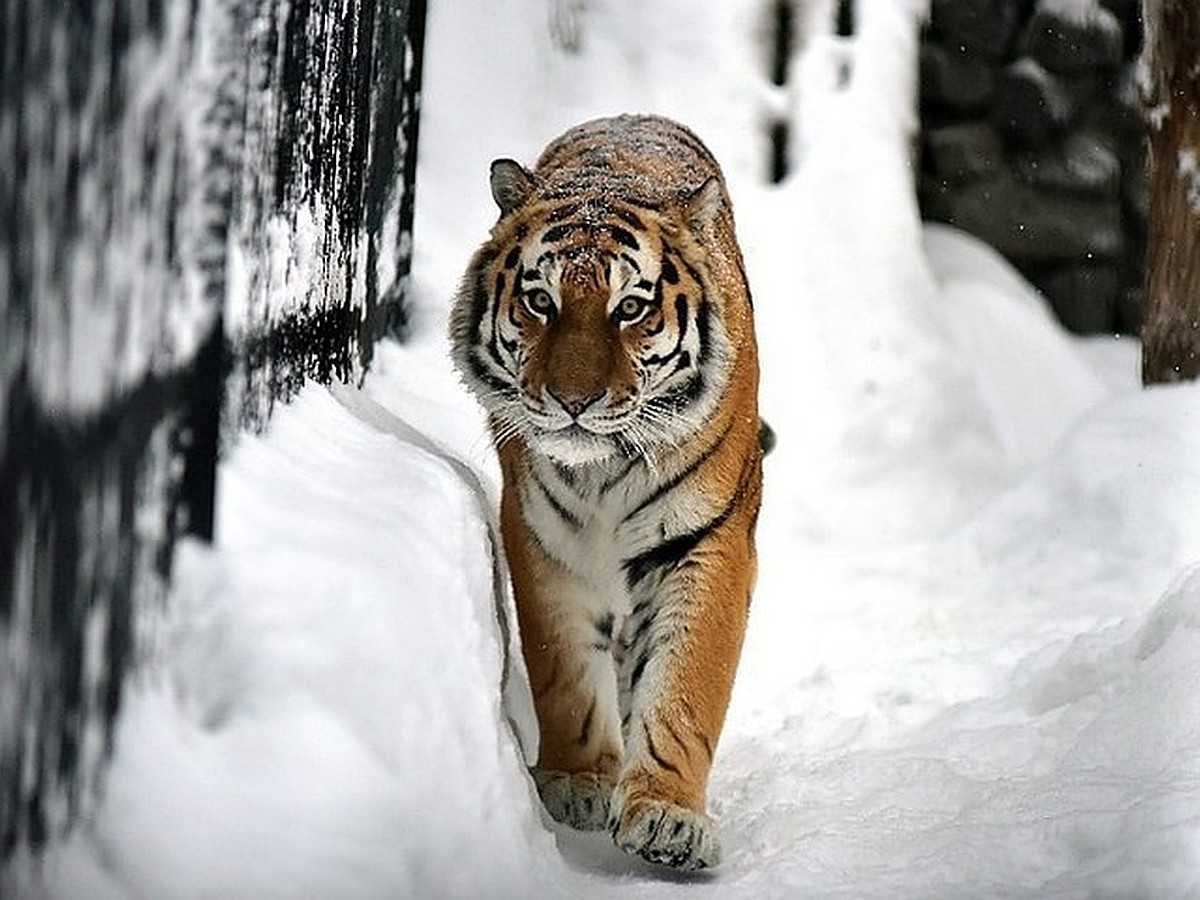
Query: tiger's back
[[606, 327]]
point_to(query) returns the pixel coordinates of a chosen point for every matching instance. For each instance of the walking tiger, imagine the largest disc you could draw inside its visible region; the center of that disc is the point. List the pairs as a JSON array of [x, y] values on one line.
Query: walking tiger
[[606, 328]]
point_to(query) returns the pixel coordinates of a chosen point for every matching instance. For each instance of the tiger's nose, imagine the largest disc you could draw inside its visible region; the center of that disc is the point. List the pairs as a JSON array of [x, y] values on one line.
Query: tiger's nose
[[575, 404]]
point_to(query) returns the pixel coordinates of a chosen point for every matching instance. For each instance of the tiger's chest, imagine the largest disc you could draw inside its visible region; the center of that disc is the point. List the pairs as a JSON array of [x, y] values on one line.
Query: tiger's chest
[[596, 521]]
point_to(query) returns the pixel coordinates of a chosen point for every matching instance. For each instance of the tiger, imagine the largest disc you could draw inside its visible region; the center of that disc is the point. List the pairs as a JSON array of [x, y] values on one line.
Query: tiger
[[606, 328]]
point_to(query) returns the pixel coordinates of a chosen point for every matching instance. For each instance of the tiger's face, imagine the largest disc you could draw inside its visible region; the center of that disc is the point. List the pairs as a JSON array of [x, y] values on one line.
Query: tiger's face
[[589, 333]]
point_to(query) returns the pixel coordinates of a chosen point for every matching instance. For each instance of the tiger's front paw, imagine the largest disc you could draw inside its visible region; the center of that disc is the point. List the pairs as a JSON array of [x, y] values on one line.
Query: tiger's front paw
[[578, 799], [664, 833]]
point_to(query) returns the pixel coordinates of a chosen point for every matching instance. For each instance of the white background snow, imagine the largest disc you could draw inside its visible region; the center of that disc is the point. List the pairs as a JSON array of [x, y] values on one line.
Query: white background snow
[[974, 654]]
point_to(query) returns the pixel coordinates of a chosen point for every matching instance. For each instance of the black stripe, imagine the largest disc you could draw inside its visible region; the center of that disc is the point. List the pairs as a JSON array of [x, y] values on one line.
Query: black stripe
[[689, 140], [666, 555], [681, 396], [586, 733], [669, 273], [658, 302], [676, 479], [681, 308], [494, 340], [678, 738], [638, 608], [514, 256], [692, 272], [704, 327], [639, 668], [637, 638], [605, 626], [566, 474], [654, 754], [636, 615], [545, 549], [558, 232], [632, 262], [513, 321], [623, 236], [670, 553], [745, 283], [563, 513], [620, 476], [564, 212], [643, 203], [629, 218], [644, 284], [485, 375], [479, 307], [681, 318]]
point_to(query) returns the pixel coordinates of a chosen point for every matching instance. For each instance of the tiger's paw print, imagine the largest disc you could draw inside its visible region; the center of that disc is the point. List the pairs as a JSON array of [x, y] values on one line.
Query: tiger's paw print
[[665, 834], [578, 799]]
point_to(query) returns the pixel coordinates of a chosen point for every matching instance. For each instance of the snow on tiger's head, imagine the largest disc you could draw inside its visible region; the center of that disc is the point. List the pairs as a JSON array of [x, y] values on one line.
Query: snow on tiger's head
[[590, 324]]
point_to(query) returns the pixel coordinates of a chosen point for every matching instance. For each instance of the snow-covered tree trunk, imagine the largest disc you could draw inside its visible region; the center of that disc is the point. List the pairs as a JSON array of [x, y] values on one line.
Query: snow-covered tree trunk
[[1171, 328]]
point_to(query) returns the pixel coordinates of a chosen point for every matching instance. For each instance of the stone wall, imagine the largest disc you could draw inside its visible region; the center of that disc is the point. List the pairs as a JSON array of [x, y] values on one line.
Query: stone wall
[[1032, 140]]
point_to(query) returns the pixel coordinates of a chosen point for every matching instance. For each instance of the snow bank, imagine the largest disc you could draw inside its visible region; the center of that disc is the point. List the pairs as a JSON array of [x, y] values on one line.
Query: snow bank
[[325, 716]]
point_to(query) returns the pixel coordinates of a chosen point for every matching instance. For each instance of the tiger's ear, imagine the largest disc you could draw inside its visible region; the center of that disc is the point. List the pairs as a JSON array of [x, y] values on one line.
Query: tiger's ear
[[512, 184], [702, 206]]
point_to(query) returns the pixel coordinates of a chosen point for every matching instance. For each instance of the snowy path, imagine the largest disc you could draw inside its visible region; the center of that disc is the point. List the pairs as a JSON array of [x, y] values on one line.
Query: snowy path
[[973, 652]]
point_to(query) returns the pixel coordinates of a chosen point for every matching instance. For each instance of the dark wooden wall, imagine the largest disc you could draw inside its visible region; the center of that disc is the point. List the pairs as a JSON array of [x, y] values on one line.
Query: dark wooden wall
[[158, 158]]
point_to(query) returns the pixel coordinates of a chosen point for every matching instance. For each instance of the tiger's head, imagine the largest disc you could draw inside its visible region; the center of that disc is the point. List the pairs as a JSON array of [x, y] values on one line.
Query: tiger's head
[[588, 323]]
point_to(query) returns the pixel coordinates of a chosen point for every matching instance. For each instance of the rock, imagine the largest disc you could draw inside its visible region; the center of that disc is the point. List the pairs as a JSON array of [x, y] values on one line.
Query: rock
[[986, 28], [1129, 309], [1032, 107], [1136, 193], [1083, 164], [1029, 225], [1084, 297], [1129, 14], [1115, 108], [952, 79], [1033, 139], [1073, 36], [964, 152]]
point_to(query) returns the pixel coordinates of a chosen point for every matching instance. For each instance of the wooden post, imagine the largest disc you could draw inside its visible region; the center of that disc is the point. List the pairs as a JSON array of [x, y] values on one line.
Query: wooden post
[[1171, 324]]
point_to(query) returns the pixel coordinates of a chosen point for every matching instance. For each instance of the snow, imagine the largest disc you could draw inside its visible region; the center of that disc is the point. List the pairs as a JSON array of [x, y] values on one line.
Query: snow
[[973, 650]]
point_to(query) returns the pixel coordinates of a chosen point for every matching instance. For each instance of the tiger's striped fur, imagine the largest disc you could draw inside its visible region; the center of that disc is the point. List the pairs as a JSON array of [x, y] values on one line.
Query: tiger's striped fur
[[606, 327]]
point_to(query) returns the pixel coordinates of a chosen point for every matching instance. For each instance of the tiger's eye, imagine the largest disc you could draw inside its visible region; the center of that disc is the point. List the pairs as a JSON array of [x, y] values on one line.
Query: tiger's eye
[[539, 303], [630, 309]]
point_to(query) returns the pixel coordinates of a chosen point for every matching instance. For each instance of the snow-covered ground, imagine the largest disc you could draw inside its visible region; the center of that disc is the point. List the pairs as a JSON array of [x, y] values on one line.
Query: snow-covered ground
[[974, 651]]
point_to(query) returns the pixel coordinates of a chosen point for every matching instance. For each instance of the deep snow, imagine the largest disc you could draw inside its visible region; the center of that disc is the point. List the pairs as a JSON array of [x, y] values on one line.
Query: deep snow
[[974, 647]]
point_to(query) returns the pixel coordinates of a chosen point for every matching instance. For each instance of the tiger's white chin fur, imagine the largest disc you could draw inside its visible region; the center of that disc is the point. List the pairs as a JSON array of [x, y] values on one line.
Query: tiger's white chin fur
[[577, 446]]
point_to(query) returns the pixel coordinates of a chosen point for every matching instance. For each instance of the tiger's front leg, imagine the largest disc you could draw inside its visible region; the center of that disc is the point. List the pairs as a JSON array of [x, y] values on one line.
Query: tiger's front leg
[[567, 639], [681, 646]]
